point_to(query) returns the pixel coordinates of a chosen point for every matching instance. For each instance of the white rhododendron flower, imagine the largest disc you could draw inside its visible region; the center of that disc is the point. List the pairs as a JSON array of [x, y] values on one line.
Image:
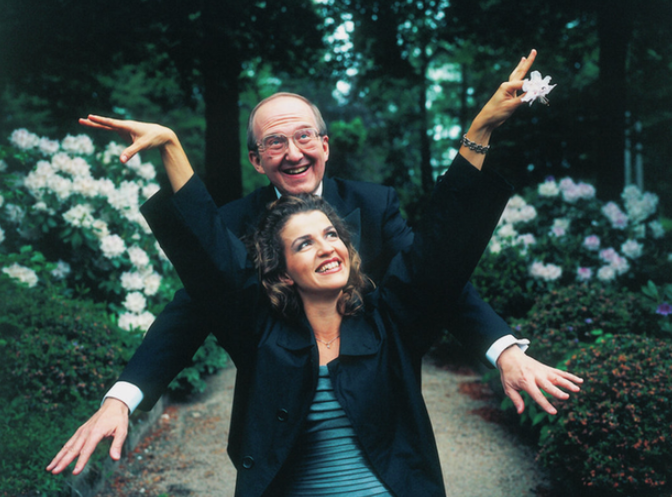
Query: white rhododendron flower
[[80, 144], [2, 235], [536, 88], [24, 139], [150, 189], [61, 271], [632, 249], [152, 283], [572, 192], [614, 213], [620, 264], [48, 147], [584, 274], [608, 254], [547, 272], [132, 281], [22, 273], [147, 171], [139, 257], [657, 230], [135, 302], [560, 227], [112, 246], [592, 242], [507, 231], [131, 321], [100, 229], [79, 216], [606, 273], [14, 213], [548, 188], [61, 186], [3, 166]]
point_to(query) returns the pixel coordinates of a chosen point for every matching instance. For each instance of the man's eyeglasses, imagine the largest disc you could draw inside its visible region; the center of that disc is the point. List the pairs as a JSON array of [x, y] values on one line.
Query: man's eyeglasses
[[276, 144]]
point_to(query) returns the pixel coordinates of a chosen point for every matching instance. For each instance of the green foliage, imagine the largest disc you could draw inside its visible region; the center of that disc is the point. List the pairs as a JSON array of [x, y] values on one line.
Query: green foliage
[[660, 304], [503, 282], [58, 355], [615, 435], [209, 358], [562, 320]]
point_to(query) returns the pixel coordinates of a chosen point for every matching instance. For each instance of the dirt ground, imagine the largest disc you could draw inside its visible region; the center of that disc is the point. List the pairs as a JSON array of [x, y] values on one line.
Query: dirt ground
[[481, 450]]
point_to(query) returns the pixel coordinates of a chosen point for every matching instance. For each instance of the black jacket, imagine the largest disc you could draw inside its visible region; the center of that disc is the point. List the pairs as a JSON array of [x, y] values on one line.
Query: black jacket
[[380, 232], [376, 377]]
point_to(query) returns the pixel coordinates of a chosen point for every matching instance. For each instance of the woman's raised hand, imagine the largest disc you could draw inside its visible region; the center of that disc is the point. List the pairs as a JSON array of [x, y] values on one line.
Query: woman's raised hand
[[145, 136], [506, 99]]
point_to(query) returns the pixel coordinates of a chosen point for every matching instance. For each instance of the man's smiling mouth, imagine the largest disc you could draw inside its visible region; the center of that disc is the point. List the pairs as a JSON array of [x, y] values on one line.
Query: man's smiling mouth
[[297, 170]]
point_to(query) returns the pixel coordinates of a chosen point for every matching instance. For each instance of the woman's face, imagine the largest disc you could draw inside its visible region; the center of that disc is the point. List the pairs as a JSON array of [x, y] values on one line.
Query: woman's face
[[317, 260]]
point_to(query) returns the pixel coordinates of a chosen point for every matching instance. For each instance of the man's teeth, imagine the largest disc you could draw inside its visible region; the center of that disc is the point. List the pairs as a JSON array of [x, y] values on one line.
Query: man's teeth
[[298, 170], [327, 267]]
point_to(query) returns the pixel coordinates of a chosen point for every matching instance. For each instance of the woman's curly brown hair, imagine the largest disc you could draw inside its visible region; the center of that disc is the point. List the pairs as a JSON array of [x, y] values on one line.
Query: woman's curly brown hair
[[268, 251]]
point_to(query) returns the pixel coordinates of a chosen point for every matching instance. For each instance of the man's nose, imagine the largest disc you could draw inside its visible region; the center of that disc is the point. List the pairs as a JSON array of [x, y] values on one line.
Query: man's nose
[[293, 153]]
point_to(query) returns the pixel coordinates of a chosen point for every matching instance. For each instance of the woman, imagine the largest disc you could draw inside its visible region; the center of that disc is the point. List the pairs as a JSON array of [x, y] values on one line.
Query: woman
[[321, 338]]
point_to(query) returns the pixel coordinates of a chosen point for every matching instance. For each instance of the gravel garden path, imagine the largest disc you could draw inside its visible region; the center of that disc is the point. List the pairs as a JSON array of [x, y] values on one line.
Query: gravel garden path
[[482, 452]]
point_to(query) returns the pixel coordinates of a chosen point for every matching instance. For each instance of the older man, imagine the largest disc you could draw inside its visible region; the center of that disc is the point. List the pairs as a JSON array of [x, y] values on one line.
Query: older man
[[288, 142]]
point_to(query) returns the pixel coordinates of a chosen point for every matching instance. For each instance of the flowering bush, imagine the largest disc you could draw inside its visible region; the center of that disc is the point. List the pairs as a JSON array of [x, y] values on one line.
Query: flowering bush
[[614, 437], [565, 235], [80, 208]]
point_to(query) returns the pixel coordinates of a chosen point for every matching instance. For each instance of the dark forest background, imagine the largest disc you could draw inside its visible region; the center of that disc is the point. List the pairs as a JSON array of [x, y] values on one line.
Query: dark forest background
[[397, 81]]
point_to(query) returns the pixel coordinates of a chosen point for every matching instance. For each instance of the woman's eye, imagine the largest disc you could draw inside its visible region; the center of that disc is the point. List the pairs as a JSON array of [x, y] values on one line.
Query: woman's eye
[[332, 234]]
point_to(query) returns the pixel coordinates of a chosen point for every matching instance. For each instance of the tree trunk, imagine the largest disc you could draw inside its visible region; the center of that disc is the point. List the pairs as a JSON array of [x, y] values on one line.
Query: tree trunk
[[615, 29], [221, 70], [426, 172]]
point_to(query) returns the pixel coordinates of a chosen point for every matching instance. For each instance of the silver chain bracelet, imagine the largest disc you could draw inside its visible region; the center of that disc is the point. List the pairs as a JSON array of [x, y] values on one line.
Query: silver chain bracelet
[[479, 149]]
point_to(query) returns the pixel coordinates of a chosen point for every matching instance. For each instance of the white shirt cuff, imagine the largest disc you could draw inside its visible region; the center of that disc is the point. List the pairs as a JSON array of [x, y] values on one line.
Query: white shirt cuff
[[126, 392], [502, 344]]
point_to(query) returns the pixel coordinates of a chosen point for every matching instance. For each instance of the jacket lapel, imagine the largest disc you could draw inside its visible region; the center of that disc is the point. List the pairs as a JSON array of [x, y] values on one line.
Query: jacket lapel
[[352, 217]]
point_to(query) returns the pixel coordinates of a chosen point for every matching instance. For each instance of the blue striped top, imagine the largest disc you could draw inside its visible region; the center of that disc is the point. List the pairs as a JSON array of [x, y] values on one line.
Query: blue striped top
[[328, 458]]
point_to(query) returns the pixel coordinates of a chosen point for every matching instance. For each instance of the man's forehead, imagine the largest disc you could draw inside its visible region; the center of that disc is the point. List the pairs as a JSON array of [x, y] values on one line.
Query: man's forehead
[[281, 110]]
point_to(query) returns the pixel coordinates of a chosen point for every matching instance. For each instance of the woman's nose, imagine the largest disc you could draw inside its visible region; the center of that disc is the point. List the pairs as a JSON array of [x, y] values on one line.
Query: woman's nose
[[325, 248]]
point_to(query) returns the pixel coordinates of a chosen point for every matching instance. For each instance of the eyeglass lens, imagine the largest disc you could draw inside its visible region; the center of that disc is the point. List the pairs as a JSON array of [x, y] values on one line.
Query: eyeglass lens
[[303, 138]]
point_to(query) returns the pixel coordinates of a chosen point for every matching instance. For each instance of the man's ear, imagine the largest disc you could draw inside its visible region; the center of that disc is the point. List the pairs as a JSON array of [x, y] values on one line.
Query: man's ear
[[255, 160], [325, 146]]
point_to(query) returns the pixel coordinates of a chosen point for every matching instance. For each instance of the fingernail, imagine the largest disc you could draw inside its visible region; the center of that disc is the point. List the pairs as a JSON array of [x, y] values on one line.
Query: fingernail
[[123, 158]]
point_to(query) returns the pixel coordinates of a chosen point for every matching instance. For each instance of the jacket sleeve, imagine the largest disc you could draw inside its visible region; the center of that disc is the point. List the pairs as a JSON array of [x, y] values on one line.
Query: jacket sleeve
[[167, 348], [426, 282], [210, 260]]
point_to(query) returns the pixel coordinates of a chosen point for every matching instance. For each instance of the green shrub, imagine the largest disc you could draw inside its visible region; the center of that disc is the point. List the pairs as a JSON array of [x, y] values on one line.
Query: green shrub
[[502, 280], [57, 357], [615, 435], [562, 319]]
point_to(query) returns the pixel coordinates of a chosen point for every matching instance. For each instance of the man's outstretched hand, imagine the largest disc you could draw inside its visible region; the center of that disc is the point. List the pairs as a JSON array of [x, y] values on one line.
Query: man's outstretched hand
[[110, 421], [520, 372]]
